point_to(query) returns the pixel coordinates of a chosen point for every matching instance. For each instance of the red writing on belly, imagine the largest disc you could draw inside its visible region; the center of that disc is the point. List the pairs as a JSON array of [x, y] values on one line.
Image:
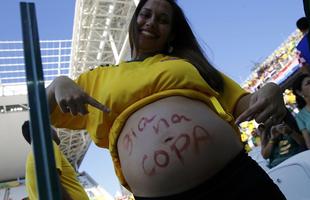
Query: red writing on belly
[[159, 125], [161, 157], [144, 121], [128, 141], [128, 144], [147, 172], [175, 118], [133, 133], [200, 134], [180, 144], [161, 121]]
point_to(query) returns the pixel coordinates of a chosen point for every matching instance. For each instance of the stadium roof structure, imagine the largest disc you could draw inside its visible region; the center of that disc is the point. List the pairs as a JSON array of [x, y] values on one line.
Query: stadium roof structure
[[100, 35]]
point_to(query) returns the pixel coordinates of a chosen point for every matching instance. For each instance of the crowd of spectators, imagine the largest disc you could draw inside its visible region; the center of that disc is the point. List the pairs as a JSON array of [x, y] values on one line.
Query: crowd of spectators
[[279, 59], [284, 140]]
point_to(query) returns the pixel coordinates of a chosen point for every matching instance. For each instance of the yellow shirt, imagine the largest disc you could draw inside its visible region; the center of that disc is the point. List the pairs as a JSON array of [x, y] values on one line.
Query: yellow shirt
[[129, 86], [67, 176]]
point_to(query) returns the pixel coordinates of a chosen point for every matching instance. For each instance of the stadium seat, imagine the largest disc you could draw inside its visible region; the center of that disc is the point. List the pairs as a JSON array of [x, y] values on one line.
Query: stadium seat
[[293, 176]]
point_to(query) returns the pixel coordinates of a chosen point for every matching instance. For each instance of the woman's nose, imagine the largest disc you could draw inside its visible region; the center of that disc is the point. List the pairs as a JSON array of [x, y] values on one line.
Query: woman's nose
[[150, 22]]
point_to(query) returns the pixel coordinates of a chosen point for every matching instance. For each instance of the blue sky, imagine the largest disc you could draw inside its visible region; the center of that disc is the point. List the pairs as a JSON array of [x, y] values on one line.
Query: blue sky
[[234, 33]]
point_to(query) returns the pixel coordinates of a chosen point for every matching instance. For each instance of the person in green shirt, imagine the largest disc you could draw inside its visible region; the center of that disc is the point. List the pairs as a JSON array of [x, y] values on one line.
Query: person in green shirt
[[280, 142]]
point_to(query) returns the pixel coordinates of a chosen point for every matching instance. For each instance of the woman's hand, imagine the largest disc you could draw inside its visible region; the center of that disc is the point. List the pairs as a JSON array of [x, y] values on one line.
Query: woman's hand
[[70, 97], [265, 106]]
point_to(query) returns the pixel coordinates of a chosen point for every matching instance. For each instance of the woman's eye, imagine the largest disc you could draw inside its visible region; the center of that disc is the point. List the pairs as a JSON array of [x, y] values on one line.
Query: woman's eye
[[164, 21], [144, 15]]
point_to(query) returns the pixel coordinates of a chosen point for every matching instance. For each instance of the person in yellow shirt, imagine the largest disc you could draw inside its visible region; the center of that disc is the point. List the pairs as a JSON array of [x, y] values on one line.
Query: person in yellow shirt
[[70, 186]]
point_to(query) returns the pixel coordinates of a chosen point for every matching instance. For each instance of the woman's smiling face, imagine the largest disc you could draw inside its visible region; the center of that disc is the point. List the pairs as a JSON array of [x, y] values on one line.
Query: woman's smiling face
[[154, 23]]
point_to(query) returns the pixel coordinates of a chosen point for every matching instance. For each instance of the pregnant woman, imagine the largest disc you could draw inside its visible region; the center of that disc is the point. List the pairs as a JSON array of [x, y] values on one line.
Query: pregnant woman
[[168, 116]]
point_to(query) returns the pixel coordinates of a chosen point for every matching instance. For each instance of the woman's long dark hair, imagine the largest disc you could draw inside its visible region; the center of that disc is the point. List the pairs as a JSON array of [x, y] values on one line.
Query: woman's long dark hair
[[184, 45], [297, 87]]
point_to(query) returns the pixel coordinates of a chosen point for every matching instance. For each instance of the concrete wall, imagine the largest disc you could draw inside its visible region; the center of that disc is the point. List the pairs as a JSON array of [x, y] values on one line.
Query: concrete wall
[[13, 147]]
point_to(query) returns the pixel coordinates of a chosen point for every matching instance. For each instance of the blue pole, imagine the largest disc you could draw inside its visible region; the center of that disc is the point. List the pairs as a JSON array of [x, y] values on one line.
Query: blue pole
[[47, 178]]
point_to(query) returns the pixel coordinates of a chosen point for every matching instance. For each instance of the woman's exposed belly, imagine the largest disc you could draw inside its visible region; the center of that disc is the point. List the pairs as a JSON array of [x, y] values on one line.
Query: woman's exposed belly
[[174, 144]]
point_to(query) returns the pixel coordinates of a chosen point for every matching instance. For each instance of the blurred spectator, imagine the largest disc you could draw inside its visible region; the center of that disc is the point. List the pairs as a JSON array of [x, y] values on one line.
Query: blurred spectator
[[303, 46], [69, 184], [301, 89], [256, 138], [280, 142]]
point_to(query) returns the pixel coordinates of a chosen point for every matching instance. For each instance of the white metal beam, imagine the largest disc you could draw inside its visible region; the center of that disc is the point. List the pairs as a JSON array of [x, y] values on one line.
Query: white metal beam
[[100, 33], [100, 37]]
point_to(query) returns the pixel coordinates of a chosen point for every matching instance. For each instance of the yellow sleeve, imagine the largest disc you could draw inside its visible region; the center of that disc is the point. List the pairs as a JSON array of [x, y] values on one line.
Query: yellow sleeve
[[65, 120], [231, 94], [31, 177], [57, 155], [31, 174]]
